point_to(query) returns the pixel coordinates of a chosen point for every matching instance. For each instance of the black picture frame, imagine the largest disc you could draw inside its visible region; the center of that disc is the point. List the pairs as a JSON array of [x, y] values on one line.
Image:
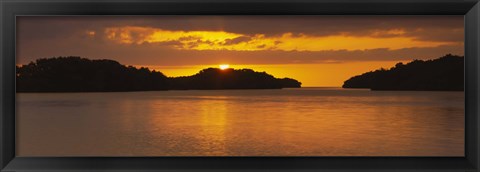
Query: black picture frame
[[9, 9]]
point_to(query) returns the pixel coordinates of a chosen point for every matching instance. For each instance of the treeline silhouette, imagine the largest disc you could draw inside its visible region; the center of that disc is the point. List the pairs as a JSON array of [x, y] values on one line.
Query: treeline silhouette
[[443, 74], [75, 74], [214, 78]]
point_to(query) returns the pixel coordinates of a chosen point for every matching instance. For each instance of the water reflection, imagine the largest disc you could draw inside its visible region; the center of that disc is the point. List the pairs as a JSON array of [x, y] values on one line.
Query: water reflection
[[213, 124], [297, 122]]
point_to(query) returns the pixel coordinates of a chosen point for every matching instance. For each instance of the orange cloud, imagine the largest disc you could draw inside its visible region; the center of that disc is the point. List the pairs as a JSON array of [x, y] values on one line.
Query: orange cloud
[[393, 39], [390, 32]]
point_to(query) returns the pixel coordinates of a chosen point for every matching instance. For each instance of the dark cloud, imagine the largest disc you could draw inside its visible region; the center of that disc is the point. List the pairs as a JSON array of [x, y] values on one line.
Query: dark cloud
[[152, 54], [237, 40], [261, 46], [64, 36], [418, 26]]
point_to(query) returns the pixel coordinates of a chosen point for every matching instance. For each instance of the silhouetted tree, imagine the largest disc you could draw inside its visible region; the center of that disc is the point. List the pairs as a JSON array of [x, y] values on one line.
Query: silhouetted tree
[[75, 74], [214, 78], [443, 74]]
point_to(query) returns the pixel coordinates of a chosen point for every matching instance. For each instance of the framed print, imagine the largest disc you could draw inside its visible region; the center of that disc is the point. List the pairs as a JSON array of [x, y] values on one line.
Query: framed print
[[254, 85]]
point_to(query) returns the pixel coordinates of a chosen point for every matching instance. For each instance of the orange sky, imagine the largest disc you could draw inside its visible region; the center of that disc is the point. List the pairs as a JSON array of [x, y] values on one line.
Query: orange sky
[[311, 75], [316, 50]]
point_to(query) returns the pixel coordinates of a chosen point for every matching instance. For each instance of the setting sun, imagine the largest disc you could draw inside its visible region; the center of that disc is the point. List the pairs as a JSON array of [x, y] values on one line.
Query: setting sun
[[224, 66]]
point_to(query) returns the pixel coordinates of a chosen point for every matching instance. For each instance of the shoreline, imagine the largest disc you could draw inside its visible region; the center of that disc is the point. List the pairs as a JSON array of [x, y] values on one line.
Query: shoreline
[[303, 88]]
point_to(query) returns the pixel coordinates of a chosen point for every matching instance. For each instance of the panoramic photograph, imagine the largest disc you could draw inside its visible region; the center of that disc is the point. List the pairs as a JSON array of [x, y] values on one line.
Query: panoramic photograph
[[240, 86]]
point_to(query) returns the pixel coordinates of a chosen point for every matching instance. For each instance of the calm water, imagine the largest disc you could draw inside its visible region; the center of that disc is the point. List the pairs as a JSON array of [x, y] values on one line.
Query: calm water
[[288, 122]]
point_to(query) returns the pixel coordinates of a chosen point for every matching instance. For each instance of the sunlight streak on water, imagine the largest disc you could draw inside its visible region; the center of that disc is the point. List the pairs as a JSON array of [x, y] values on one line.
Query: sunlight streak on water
[[287, 122]]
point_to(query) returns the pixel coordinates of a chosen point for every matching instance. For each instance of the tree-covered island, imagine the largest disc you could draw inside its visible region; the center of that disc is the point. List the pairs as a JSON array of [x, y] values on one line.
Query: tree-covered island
[[75, 74], [443, 74]]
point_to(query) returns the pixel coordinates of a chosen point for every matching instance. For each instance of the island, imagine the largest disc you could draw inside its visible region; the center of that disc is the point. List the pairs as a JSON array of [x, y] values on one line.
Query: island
[[442, 74], [76, 74]]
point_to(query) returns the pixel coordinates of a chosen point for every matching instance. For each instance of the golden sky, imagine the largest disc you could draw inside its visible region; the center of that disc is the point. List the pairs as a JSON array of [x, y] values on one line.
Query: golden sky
[[316, 50]]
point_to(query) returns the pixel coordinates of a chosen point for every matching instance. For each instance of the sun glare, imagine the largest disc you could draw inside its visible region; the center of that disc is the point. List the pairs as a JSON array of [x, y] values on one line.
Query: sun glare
[[224, 66]]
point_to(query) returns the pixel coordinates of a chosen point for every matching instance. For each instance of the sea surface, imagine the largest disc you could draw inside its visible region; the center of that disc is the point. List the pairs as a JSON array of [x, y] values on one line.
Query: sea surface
[[283, 122]]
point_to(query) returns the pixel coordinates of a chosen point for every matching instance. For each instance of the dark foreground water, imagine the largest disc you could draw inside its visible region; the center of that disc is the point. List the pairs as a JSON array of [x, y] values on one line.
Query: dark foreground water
[[288, 122]]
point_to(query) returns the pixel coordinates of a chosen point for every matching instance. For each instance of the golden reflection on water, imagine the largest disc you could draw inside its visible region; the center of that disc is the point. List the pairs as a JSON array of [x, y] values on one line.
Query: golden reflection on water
[[297, 122], [213, 122]]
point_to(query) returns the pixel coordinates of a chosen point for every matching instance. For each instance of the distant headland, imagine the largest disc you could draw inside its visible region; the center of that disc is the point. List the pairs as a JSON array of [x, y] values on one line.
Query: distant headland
[[76, 74], [443, 74]]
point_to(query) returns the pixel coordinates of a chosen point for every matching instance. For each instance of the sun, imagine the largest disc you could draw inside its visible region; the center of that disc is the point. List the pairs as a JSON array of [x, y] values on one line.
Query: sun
[[224, 66]]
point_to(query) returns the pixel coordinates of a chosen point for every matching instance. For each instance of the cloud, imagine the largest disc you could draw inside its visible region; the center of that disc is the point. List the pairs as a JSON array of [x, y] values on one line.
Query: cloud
[[416, 26], [237, 40], [182, 40], [391, 39], [446, 28]]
